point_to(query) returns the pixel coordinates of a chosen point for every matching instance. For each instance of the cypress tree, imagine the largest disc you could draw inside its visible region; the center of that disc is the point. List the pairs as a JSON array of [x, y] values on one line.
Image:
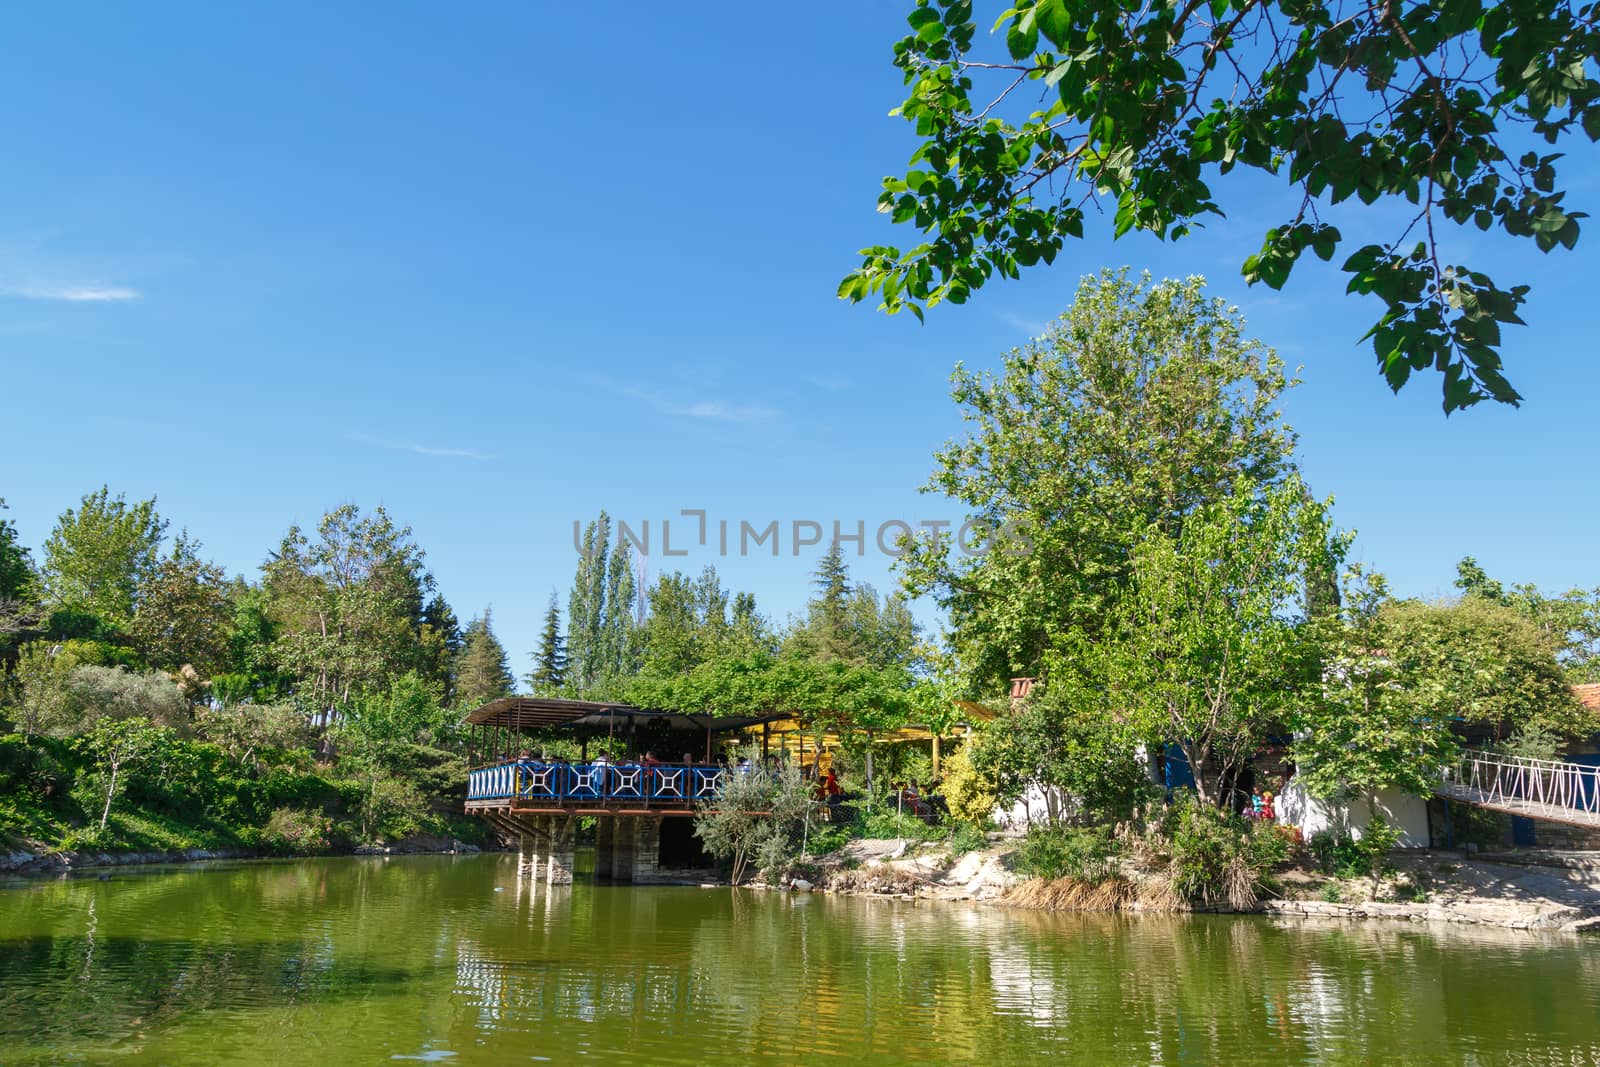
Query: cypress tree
[[587, 605]]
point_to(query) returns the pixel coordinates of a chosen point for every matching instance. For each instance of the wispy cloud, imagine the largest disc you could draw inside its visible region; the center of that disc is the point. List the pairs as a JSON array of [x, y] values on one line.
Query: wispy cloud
[[74, 294], [23, 327], [421, 449], [716, 409], [1023, 324], [682, 403]]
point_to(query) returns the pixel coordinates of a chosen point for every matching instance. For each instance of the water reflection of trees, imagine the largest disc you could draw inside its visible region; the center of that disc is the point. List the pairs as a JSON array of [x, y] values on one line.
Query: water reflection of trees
[[376, 958], [753, 974]]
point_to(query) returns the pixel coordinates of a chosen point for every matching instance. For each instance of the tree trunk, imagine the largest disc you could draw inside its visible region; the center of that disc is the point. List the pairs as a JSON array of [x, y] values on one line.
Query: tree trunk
[[111, 791]]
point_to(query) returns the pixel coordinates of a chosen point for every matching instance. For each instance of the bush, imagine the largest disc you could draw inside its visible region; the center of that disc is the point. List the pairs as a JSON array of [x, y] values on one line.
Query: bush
[[1088, 854], [965, 837], [295, 832], [1214, 855], [886, 822], [1347, 856], [972, 797]]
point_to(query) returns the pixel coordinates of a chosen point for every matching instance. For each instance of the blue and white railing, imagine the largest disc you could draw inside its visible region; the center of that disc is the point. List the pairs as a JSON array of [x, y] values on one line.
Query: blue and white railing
[[656, 784]]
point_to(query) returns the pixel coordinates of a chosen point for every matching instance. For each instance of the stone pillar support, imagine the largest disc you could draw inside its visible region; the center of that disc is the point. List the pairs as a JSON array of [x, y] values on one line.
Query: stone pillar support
[[646, 848], [559, 862], [605, 838], [622, 846]]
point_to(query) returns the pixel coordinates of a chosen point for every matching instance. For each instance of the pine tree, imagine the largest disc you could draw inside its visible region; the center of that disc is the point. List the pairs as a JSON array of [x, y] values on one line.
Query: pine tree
[[482, 674], [550, 661]]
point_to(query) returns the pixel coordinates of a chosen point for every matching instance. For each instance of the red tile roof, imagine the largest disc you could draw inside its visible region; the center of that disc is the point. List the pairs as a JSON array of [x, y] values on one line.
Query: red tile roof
[[1588, 695]]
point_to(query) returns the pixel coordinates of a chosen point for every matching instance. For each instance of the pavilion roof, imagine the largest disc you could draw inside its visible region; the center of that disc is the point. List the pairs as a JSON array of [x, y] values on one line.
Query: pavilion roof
[[534, 713]]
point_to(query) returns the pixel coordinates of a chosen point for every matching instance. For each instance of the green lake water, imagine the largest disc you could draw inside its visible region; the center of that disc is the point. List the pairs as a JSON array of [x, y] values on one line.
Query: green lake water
[[444, 959]]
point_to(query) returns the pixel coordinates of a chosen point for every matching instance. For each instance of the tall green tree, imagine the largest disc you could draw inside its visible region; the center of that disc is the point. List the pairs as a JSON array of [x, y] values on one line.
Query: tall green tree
[[1571, 619], [845, 621], [1375, 723], [586, 605], [439, 643], [1210, 648], [184, 617], [482, 671], [550, 659], [1143, 404], [100, 553], [692, 620], [17, 577], [1445, 107], [19, 594], [620, 616], [347, 606]]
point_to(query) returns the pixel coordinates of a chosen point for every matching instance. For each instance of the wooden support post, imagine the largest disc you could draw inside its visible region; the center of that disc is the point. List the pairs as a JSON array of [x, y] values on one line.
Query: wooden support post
[[936, 757], [766, 738]]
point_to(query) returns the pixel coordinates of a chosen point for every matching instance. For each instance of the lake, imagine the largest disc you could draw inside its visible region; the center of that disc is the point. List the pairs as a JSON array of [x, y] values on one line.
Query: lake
[[447, 960]]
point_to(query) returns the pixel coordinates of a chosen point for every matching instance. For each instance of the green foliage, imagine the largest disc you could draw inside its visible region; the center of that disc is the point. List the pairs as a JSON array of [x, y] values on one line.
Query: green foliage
[[550, 660], [183, 615], [1533, 741], [966, 837], [1087, 854], [758, 818], [970, 794], [1144, 402], [1571, 619], [601, 644], [96, 694], [1143, 104], [886, 822], [118, 747], [846, 622], [1348, 855], [347, 608], [482, 673], [18, 582], [1065, 740], [296, 832], [1482, 662], [100, 553], [1214, 856]]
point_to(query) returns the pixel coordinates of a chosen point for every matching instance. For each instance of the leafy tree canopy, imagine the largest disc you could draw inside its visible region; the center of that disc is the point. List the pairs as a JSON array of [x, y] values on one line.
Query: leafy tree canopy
[[1450, 107], [100, 553], [1144, 403]]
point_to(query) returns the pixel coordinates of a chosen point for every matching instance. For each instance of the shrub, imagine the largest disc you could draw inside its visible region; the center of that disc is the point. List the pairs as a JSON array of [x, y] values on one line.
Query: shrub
[[295, 832], [1087, 854], [758, 817], [965, 837], [972, 797], [887, 822], [1212, 855], [1347, 856]]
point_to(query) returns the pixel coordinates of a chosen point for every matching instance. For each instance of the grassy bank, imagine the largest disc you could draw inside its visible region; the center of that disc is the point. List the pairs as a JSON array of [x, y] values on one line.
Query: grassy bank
[[196, 796]]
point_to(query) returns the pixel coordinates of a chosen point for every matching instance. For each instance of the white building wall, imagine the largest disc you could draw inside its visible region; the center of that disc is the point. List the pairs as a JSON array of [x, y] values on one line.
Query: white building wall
[[1295, 807]]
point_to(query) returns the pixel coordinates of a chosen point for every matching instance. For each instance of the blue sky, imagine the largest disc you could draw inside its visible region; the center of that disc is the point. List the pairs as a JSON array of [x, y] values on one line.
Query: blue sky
[[501, 266]]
